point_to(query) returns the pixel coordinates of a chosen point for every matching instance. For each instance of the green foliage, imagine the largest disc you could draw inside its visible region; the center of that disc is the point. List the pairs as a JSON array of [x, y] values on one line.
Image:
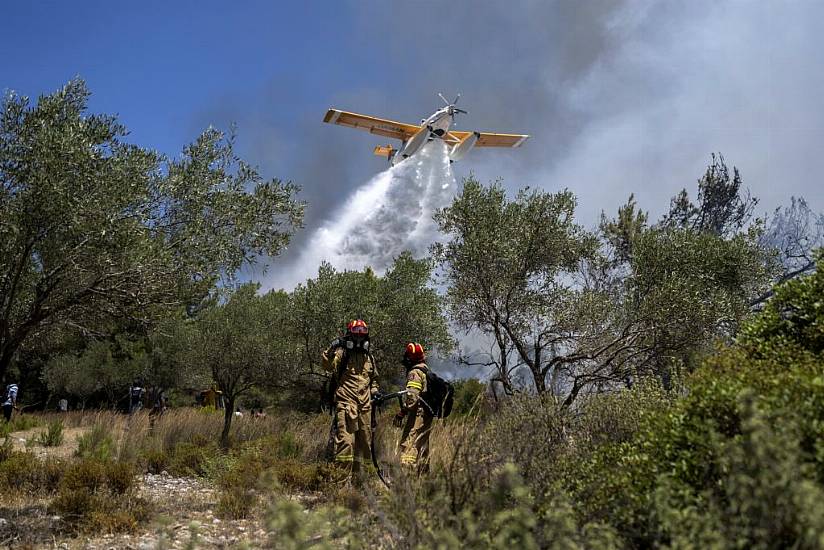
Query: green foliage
[[794, 315], [98, 444], [105, 366], [510, 266], [199, 458], [25, 473], [291, 527], [19, 423], [400, 307], [96, 229], [52, 436], [688, 286], [470, 396], [6, 449], [241, 483], [97, 496], [239, 343], [721, 208], [623, 232], [297, 475]]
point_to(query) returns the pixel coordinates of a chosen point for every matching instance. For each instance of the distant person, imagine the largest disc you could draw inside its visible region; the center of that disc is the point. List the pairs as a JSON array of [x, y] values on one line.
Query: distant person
[[9, 401], [63, 405], [160, 403], [239, 413], [136, 393], [415, 415]]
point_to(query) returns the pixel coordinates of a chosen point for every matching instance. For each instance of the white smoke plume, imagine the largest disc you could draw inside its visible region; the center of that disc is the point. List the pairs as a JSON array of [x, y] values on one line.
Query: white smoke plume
[[389, 214]]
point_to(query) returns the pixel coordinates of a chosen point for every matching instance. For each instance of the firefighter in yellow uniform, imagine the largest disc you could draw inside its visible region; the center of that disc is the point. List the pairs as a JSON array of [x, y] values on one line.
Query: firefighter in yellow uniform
[[353, 367], [415, 416]]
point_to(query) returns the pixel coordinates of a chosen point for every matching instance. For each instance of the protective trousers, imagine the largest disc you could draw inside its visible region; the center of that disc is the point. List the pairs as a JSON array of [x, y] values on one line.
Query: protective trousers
[[352, 436], [415, 439]]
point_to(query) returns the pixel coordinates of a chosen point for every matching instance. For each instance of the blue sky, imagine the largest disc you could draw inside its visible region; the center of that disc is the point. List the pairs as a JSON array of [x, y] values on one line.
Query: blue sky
[[160, 64], [621, 96]]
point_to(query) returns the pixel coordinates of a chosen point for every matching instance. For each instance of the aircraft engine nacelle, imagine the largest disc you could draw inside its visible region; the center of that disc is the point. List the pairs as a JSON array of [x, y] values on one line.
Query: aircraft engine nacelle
[[460, 149], [416, 142]]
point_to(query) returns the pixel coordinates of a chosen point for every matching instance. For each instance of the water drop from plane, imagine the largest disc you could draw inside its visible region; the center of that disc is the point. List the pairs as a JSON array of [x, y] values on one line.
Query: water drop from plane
[[390, 213]]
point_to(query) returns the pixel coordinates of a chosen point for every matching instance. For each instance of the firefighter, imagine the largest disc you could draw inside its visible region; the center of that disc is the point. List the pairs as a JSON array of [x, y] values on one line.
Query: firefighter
[[353, 369], [415, 415]]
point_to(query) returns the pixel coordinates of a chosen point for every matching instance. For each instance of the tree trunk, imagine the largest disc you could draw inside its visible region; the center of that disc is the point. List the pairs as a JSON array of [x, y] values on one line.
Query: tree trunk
[[539, 378], [5, 359], [228, 413]]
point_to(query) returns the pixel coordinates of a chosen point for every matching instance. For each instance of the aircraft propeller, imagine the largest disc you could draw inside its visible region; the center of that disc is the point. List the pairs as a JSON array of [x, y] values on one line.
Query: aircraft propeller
[[454, 110]]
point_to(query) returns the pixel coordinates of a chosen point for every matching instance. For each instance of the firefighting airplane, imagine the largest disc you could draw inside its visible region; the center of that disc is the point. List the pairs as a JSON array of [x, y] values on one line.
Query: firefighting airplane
[[413, 136]]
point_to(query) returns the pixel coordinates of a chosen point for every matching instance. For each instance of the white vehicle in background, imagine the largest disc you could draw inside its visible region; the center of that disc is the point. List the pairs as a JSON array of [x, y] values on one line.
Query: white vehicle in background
[[414, 136]]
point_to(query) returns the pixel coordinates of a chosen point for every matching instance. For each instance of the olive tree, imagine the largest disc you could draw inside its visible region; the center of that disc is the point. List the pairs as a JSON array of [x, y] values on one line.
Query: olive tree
[[93, 228], [400, 306], [239, 344], [689, 278], [591, 313], [511, 270]]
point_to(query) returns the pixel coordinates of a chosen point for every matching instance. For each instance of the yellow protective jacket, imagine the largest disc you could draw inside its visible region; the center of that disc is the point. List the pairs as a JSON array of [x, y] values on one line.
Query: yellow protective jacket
[[358, 381], [415, 386]]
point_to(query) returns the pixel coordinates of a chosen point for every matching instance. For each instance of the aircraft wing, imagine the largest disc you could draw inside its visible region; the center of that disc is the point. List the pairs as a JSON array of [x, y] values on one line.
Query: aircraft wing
[[486, 139], [373, 125]]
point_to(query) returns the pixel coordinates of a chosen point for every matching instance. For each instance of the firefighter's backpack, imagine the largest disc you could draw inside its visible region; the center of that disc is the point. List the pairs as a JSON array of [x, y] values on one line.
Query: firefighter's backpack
[[439, 395]]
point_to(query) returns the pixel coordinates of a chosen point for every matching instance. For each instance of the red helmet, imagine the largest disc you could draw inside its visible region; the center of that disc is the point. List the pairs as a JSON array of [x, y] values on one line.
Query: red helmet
[[358, 327], [414, 353]]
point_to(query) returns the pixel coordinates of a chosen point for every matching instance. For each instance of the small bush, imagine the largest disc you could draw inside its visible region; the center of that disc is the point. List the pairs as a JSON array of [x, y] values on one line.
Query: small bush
[[300, 476], [23, 472], [191, 459], [19, 423], [97, 444], [155, 460], [6, 449], [239, 485], [52, 436], [236, 503], [288, 447], [96, 496]]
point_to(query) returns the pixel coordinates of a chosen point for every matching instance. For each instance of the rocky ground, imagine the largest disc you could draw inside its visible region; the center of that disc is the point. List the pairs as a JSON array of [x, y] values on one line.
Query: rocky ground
[[184, 513], [183, 507]]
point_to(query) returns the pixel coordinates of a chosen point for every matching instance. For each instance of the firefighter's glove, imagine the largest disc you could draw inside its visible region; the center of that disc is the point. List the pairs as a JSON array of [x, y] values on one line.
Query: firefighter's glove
[[398, 420]]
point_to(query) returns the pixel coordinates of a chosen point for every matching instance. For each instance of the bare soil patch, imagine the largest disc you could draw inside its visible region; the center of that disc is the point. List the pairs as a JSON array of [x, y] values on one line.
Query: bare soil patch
[[28, 441]]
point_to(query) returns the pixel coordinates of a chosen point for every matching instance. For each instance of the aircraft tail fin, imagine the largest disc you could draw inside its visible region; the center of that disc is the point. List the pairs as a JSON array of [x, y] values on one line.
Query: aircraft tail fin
[[384, 151]]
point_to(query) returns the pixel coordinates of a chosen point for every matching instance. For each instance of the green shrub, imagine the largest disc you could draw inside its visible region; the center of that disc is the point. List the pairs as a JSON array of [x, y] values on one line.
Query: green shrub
[[154, 459], [190, 459], [469, 396], [97, 496], [794, 315], [290, 527], [19, 423], [301, 476], [6, 449], [97, 444], [23, 472], [288, 447], [52, 436]]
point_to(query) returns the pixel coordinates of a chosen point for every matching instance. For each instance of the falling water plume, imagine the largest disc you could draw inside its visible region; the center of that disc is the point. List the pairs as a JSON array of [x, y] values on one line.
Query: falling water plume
[[389, 214]]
